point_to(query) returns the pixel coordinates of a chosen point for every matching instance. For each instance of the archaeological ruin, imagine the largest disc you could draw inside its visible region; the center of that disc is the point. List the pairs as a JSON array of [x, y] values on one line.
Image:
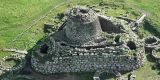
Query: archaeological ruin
[[89, 42]]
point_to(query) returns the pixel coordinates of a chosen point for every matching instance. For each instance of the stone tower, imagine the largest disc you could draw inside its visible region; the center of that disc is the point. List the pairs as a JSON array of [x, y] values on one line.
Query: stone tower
[[82, 25]]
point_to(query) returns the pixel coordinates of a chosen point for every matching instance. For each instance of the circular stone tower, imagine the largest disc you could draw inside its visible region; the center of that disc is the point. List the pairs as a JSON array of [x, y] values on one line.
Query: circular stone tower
[[82, 25]]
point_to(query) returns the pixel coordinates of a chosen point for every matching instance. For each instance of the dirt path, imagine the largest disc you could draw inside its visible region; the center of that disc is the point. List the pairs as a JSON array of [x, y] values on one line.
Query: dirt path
[[14, 50], [37, 20]]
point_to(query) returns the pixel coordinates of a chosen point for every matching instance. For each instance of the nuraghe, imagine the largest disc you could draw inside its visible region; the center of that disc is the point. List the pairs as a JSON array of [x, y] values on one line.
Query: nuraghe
[[89, 42]]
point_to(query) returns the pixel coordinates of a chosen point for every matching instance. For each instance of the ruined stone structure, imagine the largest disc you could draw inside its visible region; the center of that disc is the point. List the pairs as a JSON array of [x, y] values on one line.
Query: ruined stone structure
[[5, 67], [89, 42]]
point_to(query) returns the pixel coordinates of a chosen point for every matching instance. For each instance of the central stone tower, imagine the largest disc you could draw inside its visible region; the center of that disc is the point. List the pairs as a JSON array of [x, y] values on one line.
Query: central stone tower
[[82, 25]]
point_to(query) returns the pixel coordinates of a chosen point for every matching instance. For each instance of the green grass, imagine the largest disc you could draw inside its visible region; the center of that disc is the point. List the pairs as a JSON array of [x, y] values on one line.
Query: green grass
[[152, 8], [17, 15], [11, 63], [3, 54], [147, 72]]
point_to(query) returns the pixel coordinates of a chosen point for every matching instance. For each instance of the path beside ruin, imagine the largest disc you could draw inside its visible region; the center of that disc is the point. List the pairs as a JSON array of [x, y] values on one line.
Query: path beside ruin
[[37, 20], [14, 50]]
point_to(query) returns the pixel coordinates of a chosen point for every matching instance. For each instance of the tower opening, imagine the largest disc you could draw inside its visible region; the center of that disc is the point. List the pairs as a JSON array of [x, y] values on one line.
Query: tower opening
[[83, 11], [117, 38], [131, 45], [44, 49]]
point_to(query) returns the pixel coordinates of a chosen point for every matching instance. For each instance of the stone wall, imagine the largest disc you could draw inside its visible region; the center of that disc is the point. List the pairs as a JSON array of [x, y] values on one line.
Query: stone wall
[[17, 67], [89, 63]]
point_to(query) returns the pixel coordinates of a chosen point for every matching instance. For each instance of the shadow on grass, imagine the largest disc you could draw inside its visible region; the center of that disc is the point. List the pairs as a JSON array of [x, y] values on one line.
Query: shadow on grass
[[151, 28], [149, 58]]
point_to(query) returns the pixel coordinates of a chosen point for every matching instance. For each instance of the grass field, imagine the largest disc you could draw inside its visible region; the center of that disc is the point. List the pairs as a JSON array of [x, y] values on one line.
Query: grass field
[[17, 15], [152, 8]]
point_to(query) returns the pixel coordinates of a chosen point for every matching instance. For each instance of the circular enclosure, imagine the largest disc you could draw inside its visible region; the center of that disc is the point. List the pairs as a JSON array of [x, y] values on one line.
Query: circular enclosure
[[151, 43], [12, 63], [151, 40], [156, 54]]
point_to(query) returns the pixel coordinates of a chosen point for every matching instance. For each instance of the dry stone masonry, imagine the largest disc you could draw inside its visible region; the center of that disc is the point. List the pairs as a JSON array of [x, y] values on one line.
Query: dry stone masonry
[[86, 42], [20, 63], [89, 42]]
